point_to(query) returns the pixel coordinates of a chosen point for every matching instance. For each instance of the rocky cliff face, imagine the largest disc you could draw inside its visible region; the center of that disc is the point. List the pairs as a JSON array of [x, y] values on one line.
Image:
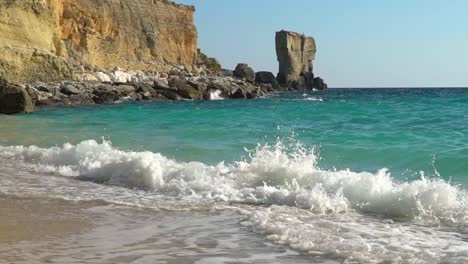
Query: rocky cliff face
[[295, 54], [55, 39]]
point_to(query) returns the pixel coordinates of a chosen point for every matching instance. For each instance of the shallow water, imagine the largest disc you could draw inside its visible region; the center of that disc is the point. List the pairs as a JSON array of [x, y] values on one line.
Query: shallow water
[[356, 176]]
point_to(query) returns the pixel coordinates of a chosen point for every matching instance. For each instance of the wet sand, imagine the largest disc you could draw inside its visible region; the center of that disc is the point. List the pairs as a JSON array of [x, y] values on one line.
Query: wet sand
[[57, 231], [30, 221]]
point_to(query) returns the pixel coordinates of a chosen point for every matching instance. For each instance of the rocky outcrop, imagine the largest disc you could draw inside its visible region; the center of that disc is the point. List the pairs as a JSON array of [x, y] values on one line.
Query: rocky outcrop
[[264, 77], [160, 88], [14, 99], [243, 71], [57, 39], [295, 53], [320, 84]]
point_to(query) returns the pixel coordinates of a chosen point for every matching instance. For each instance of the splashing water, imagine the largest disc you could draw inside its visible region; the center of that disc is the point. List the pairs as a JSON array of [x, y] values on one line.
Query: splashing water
[[272, 175], [216, 95]]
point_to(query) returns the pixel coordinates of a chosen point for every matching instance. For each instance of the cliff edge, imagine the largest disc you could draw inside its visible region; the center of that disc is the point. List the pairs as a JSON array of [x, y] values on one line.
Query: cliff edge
[[47, 40]]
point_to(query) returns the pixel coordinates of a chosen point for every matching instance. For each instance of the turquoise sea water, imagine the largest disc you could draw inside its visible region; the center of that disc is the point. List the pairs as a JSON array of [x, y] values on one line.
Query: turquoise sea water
[[404, 130], [341, 176]]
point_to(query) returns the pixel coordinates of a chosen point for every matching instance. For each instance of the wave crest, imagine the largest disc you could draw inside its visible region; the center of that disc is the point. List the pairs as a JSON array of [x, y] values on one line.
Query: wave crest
[[271, 175]]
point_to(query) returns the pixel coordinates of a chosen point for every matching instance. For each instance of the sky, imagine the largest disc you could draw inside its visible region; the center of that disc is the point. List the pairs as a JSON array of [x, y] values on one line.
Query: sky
[[360, 43]]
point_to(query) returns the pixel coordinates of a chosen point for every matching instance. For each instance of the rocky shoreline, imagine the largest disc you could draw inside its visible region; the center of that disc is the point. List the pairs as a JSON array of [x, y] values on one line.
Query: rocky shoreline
[[204, 80], [81, 52], [119, 86]]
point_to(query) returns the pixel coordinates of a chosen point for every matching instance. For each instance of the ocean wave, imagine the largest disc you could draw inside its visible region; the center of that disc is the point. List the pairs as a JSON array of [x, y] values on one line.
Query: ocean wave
[[309, 98], [271, 175]]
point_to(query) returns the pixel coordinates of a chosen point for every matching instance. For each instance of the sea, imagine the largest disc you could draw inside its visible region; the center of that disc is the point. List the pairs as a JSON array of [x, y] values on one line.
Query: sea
[[337, 176]]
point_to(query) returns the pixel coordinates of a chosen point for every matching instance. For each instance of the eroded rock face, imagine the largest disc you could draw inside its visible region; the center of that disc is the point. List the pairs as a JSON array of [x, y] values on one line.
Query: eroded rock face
[[295, 54], [14, 99], [52, 39]]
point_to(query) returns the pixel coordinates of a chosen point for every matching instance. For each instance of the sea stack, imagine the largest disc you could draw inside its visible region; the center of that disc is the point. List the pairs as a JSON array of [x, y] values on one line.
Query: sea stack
[[296, 53]]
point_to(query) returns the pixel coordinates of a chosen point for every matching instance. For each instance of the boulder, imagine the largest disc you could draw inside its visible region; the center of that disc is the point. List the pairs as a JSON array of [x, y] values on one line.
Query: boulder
[[105, 94], [171, 95], [81, 99], [200, 86], [70, 89], [266, 78], [238, 93], [125, 90], [161, 85], [250, 90], [266, 87], [185, 90], [146, 91], [320, 84], [218, 86], [14, 99], [243, 71]]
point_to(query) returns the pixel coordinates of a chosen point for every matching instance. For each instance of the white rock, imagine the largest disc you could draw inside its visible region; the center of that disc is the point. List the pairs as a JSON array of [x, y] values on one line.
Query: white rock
[[121, 76], [102, 77]]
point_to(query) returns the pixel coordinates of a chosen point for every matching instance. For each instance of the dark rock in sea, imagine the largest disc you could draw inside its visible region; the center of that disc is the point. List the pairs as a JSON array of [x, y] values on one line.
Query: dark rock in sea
[[266, 78], [52, 101], [146, 91], [266, 87], [308, 80], [200, 86], [217, 86], [14, 99], [190, 93], [259, 93], [320, 84], [81, 99], [185, 90], [171, 95], [105, 94], [238, 93], [243, 71]]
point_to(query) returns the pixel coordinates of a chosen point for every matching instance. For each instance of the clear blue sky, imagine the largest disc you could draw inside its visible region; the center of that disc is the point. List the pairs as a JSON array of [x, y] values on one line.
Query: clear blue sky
[[361, 43]]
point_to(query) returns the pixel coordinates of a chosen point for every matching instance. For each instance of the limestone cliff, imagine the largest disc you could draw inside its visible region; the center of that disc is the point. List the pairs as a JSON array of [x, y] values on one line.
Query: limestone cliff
[[295, 54], [53, 39]]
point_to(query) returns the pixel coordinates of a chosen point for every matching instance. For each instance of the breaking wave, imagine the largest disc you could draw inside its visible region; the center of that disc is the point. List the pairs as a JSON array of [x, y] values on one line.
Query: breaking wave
[[271, 175]]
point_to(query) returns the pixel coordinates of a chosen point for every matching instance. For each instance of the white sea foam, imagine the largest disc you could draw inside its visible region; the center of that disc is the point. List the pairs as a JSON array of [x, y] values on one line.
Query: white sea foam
[[272, 175], [216, 95], [354, 238], [313, 99], [354, 217]]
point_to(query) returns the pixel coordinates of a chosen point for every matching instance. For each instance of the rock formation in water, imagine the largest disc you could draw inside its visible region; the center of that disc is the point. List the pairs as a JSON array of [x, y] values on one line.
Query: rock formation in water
[[295, 53], [59, 39], [243, 71], [14, 99]]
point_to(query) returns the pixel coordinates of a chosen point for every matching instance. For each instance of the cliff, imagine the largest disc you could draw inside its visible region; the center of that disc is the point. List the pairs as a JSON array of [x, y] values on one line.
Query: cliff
[[296, 53], [56, 39]]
